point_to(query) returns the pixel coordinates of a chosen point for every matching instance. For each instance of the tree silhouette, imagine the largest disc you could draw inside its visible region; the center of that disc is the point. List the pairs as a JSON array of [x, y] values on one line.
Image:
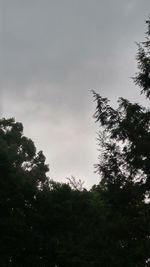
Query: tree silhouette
[[22, 177], [124, 168]]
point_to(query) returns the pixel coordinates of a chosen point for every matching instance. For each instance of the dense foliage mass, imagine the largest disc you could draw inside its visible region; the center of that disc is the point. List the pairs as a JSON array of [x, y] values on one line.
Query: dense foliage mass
[[44, 223]]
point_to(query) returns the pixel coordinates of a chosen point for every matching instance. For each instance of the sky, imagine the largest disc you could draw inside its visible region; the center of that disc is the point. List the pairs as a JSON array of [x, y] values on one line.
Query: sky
[[52, 53]]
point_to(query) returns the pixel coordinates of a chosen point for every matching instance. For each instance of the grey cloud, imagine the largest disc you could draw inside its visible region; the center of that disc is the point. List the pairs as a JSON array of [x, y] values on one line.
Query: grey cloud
[[44, 40], [52, 53]]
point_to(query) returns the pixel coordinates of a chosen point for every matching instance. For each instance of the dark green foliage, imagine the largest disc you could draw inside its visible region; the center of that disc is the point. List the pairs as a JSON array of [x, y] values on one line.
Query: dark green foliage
[[124, 168], [49, 224], [22, 174], [143, 57]]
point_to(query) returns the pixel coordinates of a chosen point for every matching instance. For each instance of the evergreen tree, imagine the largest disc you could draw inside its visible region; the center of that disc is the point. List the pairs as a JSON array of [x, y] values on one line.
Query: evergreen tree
[[124, 168]]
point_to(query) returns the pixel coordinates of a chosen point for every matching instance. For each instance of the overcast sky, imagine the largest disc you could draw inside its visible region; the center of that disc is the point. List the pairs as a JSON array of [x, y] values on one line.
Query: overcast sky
[[52, 52]]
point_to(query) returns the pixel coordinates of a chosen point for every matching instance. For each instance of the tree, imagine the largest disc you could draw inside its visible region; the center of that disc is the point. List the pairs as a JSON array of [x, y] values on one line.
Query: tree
[[22, 177], [143, 57], [124, 168], [75, 184]]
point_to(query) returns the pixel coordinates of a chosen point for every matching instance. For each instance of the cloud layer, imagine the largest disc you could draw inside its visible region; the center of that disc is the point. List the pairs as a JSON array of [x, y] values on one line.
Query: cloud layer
[[52, 54]]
